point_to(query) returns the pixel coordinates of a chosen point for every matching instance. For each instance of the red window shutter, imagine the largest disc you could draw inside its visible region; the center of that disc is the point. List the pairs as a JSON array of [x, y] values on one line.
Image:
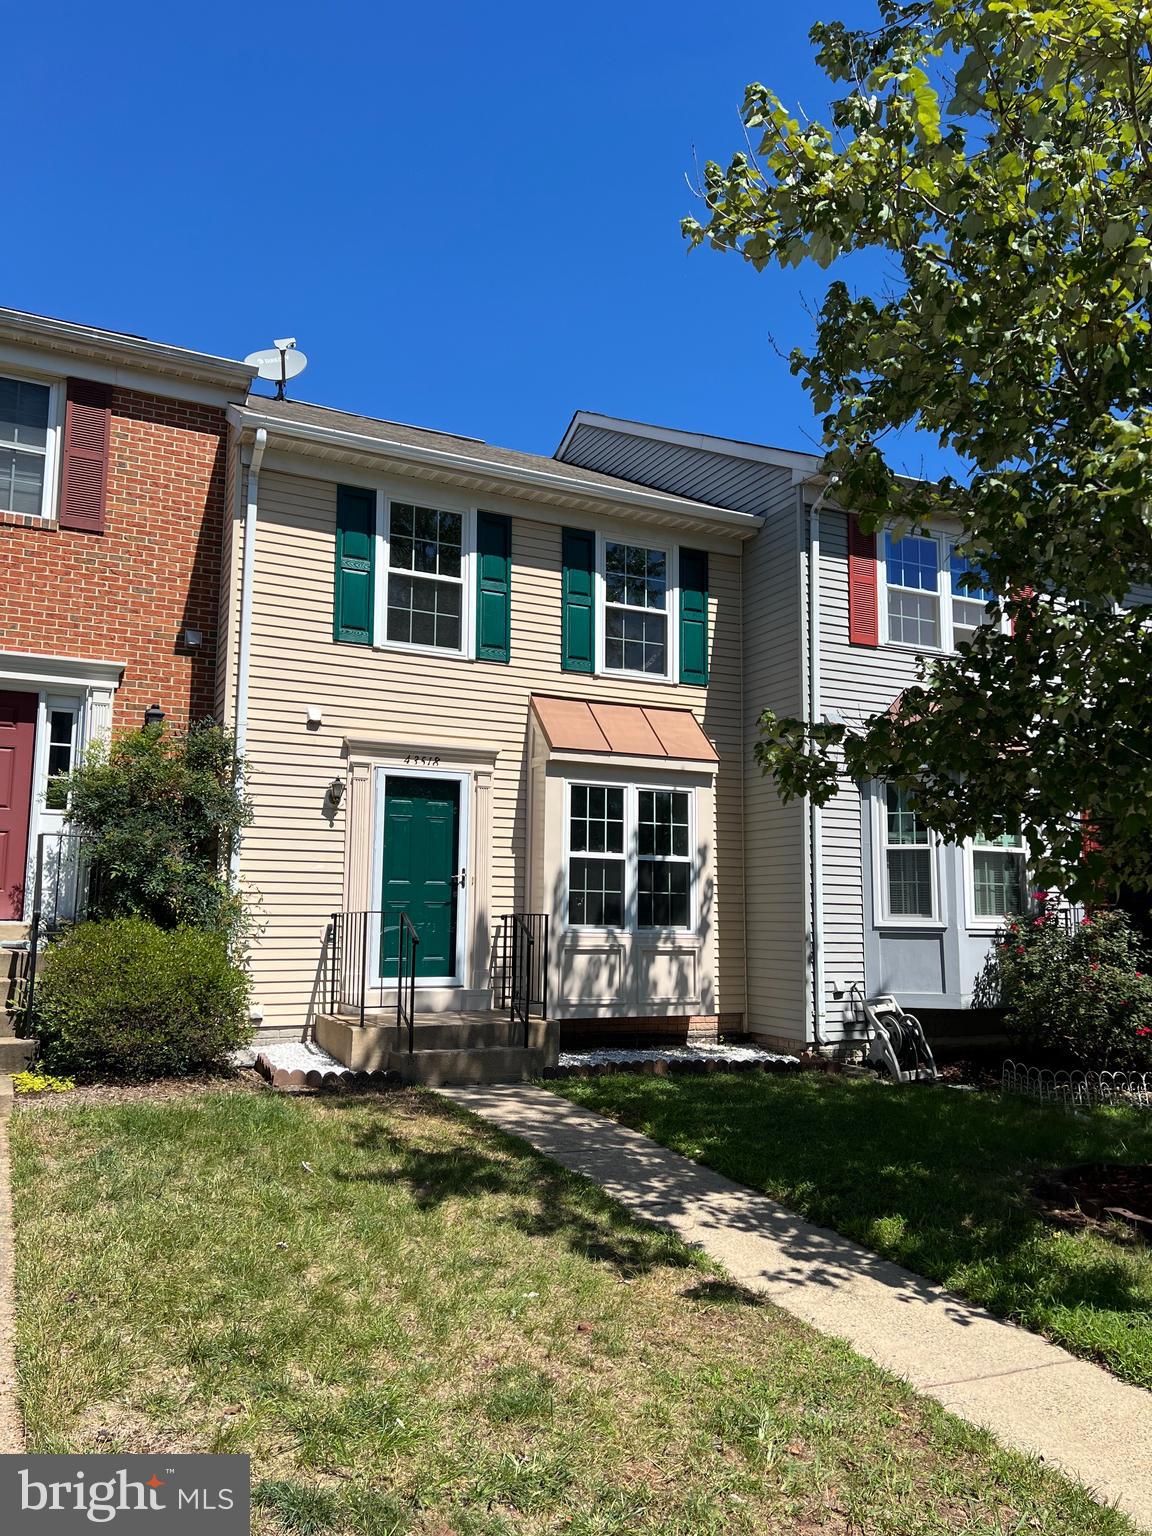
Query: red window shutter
[[1025, 592], [863, 605], [84, 482]]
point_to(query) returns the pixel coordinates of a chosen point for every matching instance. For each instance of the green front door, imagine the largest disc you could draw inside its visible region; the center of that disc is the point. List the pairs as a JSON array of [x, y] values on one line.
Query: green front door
[[421, 842]]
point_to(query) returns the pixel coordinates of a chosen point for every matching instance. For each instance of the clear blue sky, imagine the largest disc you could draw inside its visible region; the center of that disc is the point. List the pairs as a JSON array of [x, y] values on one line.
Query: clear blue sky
[[468, 214]]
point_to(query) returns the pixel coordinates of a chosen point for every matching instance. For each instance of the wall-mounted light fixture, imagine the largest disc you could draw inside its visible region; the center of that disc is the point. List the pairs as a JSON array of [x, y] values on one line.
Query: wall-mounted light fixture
[[315, 716], [193, 638], [336, 790], [153, 715]]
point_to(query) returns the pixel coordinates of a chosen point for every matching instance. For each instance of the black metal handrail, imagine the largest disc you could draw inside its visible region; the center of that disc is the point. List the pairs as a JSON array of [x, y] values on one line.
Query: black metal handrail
[[406, 979], [523, 951], [60, 894], [355, 953]]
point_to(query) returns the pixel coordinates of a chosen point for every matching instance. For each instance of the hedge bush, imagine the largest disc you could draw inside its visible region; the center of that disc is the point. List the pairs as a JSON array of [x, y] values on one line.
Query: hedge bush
[[125, 998], [1079, 997]]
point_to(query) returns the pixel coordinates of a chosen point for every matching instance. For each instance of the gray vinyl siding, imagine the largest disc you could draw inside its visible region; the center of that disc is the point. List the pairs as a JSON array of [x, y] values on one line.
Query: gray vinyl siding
[[859, 681], [720, 479], [775, 844]]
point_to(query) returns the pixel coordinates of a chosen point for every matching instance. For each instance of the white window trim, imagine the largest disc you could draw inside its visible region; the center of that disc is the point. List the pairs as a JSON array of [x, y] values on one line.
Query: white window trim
[[52, 447], [467, 511], [631, 856], [671, 552], [945, 543], [974, 923], [882, 918]]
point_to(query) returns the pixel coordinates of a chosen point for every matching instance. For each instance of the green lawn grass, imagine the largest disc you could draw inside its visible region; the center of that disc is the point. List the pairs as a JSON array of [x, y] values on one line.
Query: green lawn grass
[[413, 1324], [933, 1178]]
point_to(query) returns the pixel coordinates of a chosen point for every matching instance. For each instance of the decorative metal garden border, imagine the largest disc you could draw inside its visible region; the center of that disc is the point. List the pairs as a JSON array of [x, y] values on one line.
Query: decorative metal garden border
[[1077, 1090]]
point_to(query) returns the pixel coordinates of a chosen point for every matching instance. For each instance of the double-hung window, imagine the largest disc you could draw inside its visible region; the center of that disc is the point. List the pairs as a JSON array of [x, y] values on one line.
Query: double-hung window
[[663, 861], [597, 856], [629, 857], [970, 597], [636, 589], [934, 598], [25, 446], [907, 867], [999, 877], [425, 577], [912, 569]]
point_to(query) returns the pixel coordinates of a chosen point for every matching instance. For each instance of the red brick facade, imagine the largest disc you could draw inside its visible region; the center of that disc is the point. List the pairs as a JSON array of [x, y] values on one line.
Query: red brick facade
[[129, 593]]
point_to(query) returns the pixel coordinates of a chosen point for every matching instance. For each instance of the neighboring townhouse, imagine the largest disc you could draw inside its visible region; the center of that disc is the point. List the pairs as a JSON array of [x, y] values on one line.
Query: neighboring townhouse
[[859, 894], [112, 499], [473, 684]]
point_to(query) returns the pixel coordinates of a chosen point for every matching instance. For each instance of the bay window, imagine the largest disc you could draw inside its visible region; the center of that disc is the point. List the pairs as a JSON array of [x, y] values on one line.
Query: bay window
[[629, 857], [998, 877], [907, 863]]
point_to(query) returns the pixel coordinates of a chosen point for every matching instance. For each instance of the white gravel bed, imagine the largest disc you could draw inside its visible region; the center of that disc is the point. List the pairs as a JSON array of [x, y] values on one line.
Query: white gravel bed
[[291, 1056], [608, 1056]]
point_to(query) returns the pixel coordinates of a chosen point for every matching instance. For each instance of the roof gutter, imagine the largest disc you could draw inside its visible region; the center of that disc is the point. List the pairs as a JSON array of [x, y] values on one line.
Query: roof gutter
[[243, 417], [119, 348], [247, 581]]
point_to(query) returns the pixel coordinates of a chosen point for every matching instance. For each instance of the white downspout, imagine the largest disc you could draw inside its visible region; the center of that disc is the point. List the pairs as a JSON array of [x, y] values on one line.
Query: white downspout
[[247, 580]]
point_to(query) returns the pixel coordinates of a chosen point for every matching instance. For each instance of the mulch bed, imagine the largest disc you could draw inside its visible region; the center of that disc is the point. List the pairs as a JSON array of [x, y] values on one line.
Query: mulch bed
[[1103, 1192], [157, 1092]]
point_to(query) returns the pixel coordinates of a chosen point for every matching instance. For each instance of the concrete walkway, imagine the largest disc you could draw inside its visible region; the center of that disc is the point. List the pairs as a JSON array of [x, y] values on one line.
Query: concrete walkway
[[1032, 1395]]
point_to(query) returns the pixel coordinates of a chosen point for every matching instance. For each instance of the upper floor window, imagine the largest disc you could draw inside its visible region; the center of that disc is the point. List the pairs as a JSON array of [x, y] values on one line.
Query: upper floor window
[[929, 604], [629, 857], [636, 585], [998, 876], [425, 577], [908, 875], [969, 598], [25, 446]]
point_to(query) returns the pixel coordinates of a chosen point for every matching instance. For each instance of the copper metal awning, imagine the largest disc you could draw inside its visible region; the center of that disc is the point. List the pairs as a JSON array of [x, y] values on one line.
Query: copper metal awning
[[624, 730]]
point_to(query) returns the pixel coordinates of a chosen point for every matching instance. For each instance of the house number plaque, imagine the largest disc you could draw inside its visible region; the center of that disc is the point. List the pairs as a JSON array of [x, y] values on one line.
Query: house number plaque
[[422, 760]]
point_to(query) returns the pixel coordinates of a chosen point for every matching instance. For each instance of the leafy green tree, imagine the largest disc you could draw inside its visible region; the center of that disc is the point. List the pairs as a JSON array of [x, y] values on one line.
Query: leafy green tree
[[159, 812], [999, 154]]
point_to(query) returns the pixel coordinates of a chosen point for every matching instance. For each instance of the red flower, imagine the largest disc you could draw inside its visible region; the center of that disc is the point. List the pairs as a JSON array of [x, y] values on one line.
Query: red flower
[[1037, 922], [1139, 973], [1019, 949], [1040, 895], [1085, 922], [1144, 1029], [1095, 966]]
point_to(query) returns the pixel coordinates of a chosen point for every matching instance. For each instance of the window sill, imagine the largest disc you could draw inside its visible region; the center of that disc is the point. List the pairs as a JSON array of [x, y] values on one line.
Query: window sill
[[397, 646], [663, 680], [911, 925], [46, 522]]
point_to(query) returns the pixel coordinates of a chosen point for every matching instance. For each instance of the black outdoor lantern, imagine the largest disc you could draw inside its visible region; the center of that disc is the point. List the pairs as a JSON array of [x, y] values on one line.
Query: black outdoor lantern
[[153, 715]]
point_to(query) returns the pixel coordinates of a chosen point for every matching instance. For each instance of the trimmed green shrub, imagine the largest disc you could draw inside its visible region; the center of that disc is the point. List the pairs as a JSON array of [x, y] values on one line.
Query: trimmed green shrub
[[127, 999], [1079, 997]]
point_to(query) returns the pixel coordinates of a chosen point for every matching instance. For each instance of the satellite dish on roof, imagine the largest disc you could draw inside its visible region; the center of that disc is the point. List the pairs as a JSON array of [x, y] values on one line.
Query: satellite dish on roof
[[280, 362]]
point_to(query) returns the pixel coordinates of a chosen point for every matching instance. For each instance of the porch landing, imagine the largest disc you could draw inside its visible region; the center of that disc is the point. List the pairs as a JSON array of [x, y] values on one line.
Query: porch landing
[[472, 1047]]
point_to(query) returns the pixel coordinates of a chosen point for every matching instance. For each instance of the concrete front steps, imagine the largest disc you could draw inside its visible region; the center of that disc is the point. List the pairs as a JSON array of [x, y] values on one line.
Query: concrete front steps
[[15, 1054], [474, 1047]]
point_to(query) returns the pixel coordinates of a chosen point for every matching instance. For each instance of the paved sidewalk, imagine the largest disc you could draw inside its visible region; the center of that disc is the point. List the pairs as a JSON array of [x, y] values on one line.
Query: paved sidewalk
[[1031, 1394]]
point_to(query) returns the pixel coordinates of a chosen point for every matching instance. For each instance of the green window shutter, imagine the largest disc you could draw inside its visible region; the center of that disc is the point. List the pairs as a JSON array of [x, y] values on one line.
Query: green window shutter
[[694, 616], [494, 581], [578, 625], [355, 564]]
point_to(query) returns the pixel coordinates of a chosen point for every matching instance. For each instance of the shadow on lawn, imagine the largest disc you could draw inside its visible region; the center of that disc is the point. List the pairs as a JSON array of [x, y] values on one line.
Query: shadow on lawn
[[937, 1180], [542, 1200]]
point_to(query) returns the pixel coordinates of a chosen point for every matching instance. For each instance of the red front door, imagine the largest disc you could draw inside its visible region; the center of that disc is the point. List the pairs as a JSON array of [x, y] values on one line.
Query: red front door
[[17, 746]]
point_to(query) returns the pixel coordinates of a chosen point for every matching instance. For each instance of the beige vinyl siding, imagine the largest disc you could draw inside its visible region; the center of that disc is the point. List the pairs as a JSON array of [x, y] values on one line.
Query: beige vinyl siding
[[775, 879], [293, 855], [859, 681]]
